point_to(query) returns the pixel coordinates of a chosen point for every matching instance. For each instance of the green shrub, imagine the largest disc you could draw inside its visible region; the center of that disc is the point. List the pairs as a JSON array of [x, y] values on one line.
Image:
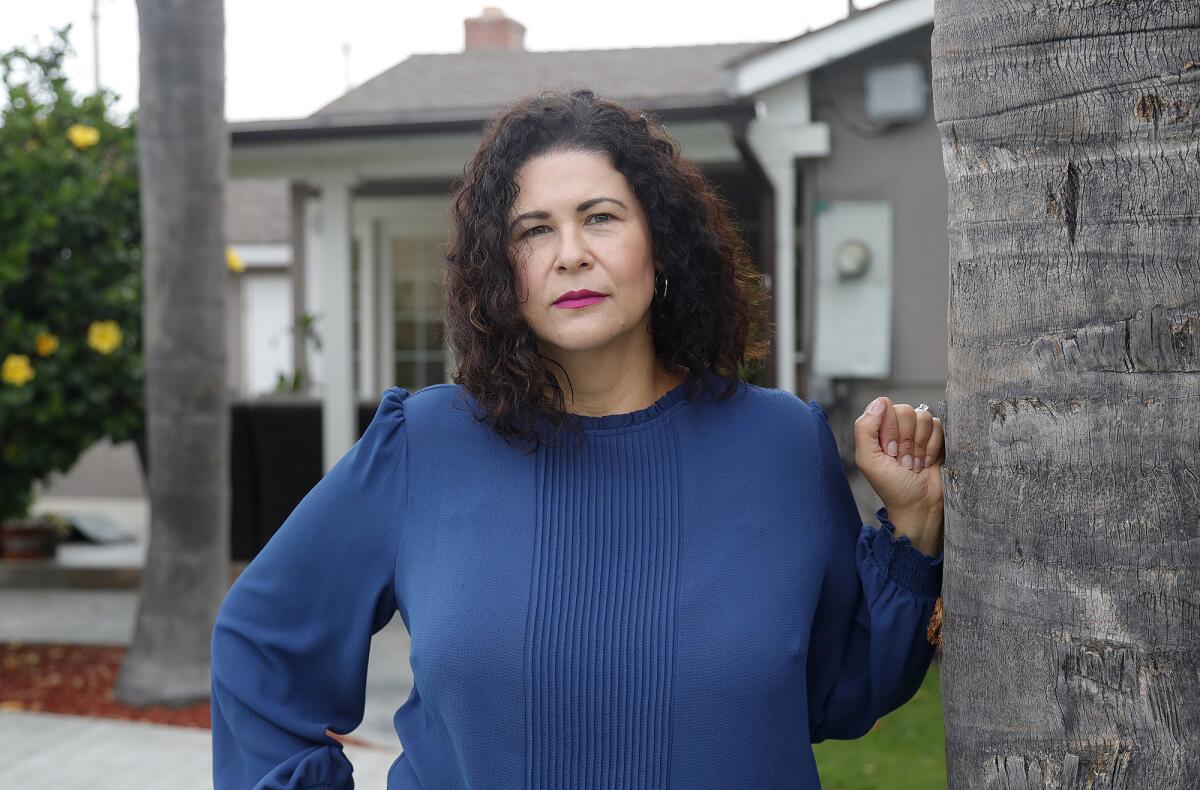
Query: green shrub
[[71, 366]]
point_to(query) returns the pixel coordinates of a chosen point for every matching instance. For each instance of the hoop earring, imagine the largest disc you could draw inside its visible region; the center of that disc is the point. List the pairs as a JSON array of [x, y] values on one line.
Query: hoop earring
[[666, 285]]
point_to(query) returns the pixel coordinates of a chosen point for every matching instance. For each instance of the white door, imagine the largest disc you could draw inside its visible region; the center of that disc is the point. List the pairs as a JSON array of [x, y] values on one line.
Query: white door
[[267, 330]]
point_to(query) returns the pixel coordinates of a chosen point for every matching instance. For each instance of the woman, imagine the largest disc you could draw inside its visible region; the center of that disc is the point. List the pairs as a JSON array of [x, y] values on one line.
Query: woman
[[685, 597]]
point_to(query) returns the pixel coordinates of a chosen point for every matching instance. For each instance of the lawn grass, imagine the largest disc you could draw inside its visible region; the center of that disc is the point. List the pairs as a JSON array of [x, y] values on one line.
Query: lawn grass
[[905, 750]]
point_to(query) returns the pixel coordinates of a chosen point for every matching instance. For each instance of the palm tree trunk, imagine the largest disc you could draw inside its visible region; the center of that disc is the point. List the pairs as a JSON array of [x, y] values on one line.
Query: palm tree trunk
[[1071, 143], [183, 158]]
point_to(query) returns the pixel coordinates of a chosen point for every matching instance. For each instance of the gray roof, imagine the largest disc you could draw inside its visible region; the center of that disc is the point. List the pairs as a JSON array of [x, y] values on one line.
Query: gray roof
[[257, 210], [648, 77]]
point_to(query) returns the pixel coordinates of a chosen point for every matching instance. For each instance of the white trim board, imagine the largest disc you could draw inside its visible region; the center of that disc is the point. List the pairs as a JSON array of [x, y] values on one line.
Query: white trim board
[[824, 45], [263, 254], [427, 156]]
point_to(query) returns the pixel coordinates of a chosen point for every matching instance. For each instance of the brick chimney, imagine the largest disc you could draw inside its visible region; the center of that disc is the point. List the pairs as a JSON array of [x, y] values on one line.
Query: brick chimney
[[493, 30]]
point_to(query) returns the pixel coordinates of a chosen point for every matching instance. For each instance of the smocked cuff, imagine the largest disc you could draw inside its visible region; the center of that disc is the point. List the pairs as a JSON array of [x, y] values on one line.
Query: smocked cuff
[[913, 570]]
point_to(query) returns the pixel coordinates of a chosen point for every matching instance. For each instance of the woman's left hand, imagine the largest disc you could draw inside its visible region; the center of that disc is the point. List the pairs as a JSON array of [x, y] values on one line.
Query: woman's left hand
[[912, 491]]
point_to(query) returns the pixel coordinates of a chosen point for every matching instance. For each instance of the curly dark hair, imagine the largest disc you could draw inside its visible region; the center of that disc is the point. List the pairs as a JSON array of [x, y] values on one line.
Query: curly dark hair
[[713, 316]]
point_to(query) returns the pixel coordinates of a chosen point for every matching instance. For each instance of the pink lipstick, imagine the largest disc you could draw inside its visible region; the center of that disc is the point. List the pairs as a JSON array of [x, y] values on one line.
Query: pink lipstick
[[583, 301]]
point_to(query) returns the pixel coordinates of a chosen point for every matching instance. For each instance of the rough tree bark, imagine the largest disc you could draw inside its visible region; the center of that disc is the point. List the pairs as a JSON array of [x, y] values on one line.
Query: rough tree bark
[[1071, 143], [183, 158]]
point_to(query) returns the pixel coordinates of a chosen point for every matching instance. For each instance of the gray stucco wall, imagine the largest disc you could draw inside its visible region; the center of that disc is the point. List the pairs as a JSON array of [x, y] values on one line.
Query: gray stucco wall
[[904, 167], [104, 470]]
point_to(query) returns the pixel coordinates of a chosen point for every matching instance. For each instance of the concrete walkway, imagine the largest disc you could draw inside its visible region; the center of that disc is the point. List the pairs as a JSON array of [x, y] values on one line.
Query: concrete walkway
[[41, 751], [45, 750]]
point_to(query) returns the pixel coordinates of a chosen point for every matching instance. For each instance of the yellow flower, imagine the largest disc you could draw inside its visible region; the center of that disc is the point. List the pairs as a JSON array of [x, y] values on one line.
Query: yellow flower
[[234, 261], [46, 344], [83, 136], [16, 370], [104, 336]]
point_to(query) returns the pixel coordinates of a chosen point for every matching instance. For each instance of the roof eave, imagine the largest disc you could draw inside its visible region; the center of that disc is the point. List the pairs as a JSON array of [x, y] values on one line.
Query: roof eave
[[426, 122]]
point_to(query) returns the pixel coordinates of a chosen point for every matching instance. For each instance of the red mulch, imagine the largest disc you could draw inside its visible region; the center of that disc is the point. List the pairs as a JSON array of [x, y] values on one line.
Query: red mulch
[[78, 680]]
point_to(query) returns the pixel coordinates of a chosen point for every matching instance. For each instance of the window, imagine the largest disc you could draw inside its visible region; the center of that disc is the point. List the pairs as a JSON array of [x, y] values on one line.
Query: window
[[420, 355]]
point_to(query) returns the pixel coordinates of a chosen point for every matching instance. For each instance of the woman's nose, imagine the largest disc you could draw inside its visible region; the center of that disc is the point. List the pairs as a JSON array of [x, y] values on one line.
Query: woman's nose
[[573, 248]]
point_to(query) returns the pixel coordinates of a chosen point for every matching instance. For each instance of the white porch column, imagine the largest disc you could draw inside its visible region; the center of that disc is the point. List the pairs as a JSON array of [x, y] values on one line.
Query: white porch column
[[386, 299], [311, 290], [775, 150], [782, 172], [367, 316], [332, 261], [783, 132]]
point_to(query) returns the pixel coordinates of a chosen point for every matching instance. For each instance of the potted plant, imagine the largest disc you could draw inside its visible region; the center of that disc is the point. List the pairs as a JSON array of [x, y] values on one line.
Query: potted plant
[[33, 537]]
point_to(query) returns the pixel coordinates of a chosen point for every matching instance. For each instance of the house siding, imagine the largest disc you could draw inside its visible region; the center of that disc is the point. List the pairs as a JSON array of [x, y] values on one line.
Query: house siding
[[903, 167]]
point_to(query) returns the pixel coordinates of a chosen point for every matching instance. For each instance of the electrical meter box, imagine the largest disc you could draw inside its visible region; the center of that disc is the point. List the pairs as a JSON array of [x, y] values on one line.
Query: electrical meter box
[[852, 296]]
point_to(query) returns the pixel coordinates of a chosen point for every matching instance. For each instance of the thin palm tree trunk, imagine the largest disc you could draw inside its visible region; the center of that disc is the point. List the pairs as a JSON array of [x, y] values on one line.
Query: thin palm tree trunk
[[183, 157]]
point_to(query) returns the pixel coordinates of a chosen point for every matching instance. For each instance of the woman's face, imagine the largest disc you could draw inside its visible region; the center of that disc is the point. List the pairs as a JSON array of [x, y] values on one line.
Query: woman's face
[[576, 225]]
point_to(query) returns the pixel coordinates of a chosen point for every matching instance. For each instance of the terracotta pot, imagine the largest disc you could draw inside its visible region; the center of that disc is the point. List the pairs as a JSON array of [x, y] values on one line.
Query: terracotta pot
[[28, 539]]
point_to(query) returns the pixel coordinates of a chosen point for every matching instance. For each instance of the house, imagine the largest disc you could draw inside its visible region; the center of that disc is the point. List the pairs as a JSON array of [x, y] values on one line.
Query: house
[[825, 145]]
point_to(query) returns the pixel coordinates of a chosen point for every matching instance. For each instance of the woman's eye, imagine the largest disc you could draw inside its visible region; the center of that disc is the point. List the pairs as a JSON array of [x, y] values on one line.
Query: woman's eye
[[530, 232]]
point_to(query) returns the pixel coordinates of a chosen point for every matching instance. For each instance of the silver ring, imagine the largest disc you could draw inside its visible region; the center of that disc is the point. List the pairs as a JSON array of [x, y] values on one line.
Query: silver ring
[[923, 406]]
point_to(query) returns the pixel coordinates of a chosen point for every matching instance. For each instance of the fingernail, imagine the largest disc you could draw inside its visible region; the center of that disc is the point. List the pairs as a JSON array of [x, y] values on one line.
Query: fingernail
[[891, 448], [916, 464], [929, 460], [906, 462], [875, 406]]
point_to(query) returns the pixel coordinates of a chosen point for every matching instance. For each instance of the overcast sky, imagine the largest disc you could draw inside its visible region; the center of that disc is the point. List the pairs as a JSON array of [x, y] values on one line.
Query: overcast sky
[[285, 58]]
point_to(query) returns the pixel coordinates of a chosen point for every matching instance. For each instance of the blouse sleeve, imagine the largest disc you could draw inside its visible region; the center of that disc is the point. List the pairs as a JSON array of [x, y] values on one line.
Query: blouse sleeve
[[292, 636], [868, 650]]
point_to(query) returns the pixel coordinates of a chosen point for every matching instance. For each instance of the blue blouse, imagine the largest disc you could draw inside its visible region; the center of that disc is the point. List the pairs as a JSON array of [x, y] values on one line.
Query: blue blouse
[[687, 600]]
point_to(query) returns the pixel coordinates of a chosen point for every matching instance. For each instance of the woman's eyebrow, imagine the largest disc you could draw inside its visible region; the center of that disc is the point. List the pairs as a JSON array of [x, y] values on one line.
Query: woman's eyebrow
[[584, 206]]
